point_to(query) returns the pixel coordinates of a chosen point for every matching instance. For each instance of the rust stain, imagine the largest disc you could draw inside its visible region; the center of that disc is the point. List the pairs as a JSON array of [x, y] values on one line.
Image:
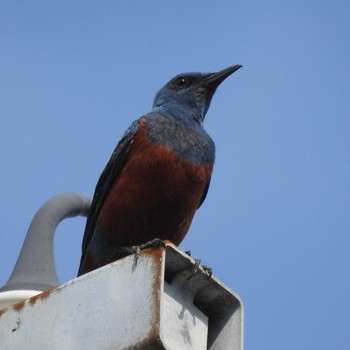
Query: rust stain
[[157, 255], [45, 294], [154, 253], [2, 311], [18, 306], [157, 252]]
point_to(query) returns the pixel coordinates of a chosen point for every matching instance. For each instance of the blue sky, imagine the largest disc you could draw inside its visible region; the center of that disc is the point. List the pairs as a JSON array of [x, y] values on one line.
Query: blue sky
[[275, 226]]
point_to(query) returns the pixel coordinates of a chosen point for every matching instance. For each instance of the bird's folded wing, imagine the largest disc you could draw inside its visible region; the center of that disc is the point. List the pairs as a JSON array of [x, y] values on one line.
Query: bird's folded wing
[[106, 180]]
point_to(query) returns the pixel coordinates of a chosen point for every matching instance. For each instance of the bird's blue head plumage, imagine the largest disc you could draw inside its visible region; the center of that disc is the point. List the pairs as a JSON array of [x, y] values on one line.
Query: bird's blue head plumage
[[188, 96]]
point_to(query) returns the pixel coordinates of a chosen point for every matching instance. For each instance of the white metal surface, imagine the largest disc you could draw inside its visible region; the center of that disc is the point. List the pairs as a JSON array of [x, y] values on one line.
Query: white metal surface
[[154, 305], [14, 296]]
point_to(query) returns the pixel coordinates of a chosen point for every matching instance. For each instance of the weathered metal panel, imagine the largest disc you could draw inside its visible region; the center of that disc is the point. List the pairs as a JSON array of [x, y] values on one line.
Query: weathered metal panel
[[110, 308], [222, 306], [158, 304], [183, 325]]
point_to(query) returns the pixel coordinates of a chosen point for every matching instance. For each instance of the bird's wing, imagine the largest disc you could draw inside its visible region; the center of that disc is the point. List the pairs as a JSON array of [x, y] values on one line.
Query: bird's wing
[[205, 192], [105, 182]]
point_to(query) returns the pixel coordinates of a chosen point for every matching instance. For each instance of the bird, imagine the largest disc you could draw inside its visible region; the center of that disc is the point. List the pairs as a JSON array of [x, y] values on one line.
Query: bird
[[158, 174]]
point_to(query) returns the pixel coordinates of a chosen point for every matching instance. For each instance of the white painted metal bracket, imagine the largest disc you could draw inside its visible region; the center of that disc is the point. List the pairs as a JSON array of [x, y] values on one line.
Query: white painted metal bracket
[[158, 304]]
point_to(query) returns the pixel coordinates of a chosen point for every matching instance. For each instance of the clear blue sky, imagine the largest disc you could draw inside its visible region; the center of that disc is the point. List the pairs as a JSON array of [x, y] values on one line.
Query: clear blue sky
[[276, 223]]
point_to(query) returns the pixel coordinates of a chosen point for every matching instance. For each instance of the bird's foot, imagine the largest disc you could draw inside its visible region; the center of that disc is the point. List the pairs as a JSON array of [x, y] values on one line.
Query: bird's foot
[[207, 270], [197, 263], [136, 250], [154, 243]]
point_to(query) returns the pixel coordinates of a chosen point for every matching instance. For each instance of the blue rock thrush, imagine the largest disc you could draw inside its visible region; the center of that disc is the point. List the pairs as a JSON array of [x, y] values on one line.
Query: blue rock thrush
[[158, 174]]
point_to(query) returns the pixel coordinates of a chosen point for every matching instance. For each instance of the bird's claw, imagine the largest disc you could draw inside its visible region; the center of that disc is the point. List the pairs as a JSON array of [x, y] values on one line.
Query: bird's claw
[[207, 270], [154, 243], [136, 250], [197, 263]]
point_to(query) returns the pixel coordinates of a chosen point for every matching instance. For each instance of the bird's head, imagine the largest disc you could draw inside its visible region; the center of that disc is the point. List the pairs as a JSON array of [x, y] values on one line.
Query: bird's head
[[188, 96]]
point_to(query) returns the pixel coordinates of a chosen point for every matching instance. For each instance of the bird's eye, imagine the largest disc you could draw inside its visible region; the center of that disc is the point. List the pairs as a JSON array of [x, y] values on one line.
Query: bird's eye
[[181, 82]]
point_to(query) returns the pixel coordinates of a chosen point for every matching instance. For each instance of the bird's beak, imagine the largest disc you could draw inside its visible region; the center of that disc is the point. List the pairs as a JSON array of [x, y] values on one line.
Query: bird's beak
[[215, 79]]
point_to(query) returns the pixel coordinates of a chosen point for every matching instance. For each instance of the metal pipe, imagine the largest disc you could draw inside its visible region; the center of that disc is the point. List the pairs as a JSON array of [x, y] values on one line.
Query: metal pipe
[[35, 268]]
